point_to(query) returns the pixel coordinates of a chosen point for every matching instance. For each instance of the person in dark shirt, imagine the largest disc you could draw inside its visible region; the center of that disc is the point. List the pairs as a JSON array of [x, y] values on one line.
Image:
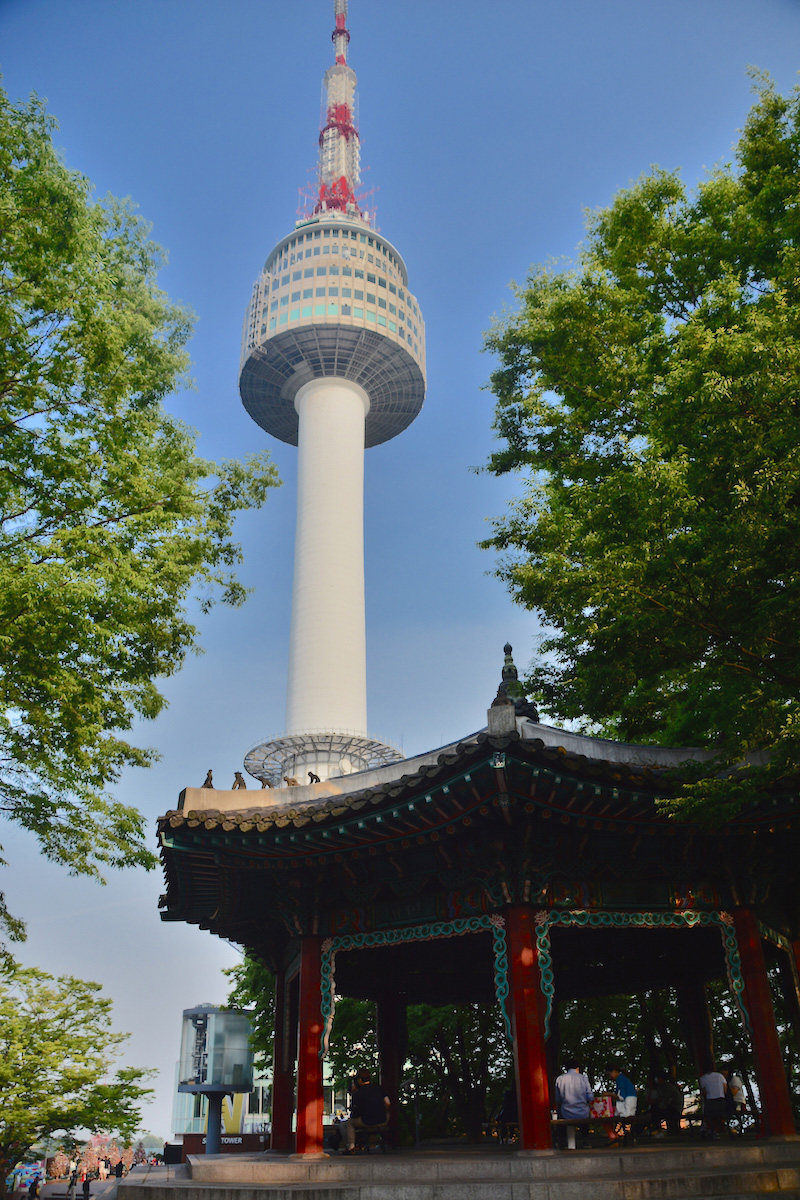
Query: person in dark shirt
[[369, 1109]]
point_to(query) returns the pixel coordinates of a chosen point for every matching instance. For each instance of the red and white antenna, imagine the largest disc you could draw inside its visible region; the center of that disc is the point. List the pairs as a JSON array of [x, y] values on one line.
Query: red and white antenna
[[339, 163]]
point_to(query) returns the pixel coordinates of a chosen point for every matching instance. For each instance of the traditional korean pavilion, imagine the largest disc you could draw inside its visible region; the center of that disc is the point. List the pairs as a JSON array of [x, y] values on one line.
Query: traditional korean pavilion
[[518, 865]]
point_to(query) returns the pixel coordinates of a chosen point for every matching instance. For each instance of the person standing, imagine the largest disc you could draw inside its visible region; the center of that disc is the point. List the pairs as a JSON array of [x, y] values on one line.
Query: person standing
[[573, 1097], [713, 1089], [86, 1186], [625, 1099]]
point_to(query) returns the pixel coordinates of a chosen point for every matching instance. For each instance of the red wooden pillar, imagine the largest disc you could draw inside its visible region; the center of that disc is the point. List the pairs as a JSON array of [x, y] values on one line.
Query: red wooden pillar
[[693, 1002], [775, 1102], [527, 1026], [309, 1063], [391, 1049], [282, 1068]]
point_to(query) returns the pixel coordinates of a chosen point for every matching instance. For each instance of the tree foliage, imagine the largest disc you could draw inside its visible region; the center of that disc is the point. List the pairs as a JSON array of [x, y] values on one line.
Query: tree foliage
[[457, 1056], [57, 1054], [108, 519], [649, 395], [253, 991]]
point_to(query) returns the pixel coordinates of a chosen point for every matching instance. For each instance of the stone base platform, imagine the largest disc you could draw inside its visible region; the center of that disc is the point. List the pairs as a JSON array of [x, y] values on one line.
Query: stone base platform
[[732, 1171]]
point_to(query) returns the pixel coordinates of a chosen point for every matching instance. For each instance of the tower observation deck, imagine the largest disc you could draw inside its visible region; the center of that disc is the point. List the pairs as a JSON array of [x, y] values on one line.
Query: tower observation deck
[[333, 361]]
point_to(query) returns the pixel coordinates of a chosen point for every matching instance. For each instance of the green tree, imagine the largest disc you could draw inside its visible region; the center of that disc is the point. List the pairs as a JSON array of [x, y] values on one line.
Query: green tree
[[253, 991], [649, 395], [109, 522], [458, 1055], [57, 1054]]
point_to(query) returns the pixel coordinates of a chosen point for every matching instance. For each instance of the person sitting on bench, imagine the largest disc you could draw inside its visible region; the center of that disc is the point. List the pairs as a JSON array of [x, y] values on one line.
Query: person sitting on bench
[[369, 1109]]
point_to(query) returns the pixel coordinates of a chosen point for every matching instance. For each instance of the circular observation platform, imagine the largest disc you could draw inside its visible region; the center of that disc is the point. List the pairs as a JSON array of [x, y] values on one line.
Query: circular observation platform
[[333, 302], [275, 371], [329, 753]]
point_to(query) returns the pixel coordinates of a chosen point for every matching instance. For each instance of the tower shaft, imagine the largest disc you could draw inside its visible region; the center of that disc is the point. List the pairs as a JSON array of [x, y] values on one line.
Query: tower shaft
[[327, 649]]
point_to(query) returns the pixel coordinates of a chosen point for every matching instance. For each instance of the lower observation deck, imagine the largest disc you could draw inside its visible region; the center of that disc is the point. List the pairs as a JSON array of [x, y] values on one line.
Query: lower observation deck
[[276, 369], [330, 753]]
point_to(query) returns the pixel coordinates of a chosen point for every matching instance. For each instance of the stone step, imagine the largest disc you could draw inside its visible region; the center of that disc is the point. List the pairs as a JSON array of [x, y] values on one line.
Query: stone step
[[730, 1171]]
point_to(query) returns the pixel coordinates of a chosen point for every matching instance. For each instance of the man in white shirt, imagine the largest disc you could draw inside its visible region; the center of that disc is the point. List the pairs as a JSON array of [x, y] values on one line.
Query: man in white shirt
[[573, 1095], [713, 1088]]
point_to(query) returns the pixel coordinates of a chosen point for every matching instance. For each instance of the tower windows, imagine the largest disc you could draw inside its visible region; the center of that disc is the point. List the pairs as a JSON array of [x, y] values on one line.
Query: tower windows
[[392, 289], [320, 291], [316, 249], [321, 270], [370, 297], [285, 280], [359, 274], [295, 297], [333, 291], [334, 271], [346, 291], [296, 275], [358, 294], [393, 308], [401, 294], [347, 270], [357, 312], [308, 273], [307, 294], [381, 319], [370, 278], [381, 282], [345, 310], [284, 301]]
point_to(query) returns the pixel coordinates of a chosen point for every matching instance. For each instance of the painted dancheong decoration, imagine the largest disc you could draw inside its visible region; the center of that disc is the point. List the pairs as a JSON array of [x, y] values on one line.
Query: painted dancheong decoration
[[333, 361]]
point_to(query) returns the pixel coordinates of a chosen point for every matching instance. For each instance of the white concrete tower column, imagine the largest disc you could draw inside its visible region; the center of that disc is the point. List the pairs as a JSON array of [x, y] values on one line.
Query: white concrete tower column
[[327, 647]]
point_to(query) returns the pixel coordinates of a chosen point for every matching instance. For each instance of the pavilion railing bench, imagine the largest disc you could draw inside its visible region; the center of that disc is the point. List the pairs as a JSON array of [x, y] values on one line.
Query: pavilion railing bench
[[628, 1125], [369, 1136]]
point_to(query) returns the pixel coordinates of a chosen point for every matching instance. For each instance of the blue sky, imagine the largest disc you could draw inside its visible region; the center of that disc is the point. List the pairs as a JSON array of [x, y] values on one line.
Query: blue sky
[[487, 132]]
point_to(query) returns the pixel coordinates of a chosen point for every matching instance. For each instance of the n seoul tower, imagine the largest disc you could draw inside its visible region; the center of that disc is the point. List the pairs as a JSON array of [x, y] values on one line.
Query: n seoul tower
[[333, 361]]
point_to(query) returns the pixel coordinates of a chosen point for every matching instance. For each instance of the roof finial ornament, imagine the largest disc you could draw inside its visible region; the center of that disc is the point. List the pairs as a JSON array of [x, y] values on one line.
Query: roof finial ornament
[[511, 691]]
